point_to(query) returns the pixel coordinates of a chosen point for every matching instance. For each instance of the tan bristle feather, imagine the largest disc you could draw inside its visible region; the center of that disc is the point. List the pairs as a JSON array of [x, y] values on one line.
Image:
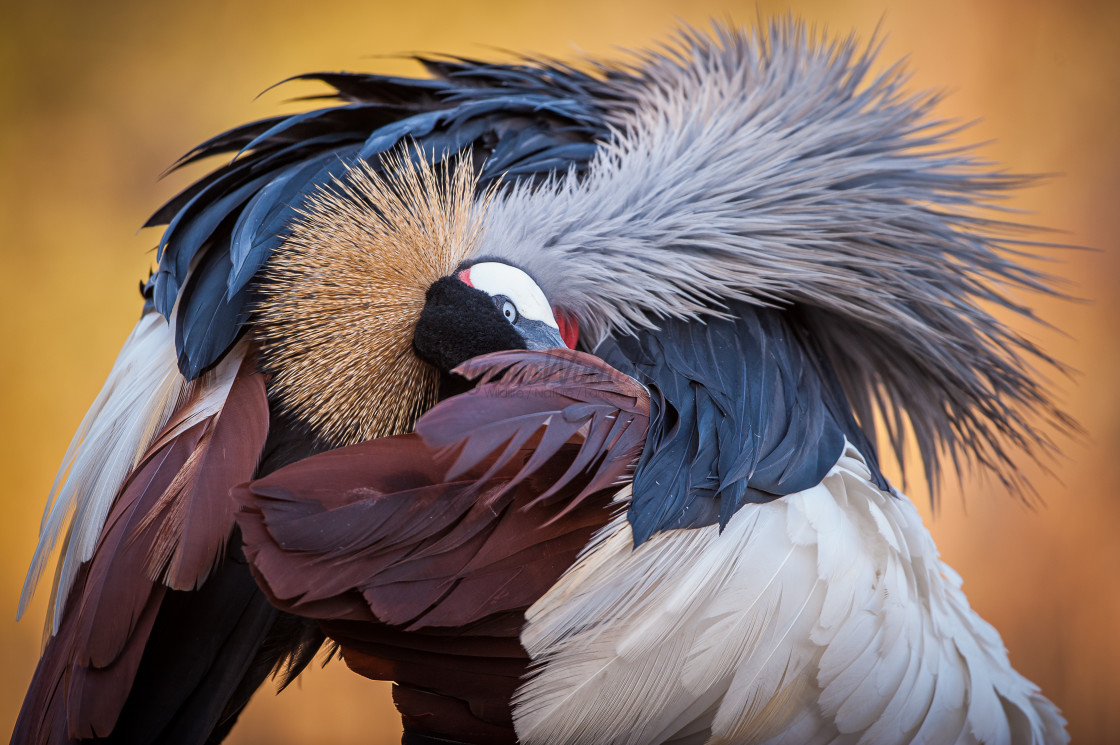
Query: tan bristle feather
[[341, 297]]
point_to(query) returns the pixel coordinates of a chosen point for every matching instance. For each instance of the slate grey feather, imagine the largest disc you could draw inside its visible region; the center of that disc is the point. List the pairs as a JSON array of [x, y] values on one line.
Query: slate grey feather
[[772, 167]]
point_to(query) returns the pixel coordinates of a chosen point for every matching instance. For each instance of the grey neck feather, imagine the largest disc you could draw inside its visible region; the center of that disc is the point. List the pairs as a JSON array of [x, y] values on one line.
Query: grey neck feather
[[774, 168]]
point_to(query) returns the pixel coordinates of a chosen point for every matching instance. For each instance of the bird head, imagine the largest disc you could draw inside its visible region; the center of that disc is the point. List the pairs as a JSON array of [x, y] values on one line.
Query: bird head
[[373, 298], [489, 306]]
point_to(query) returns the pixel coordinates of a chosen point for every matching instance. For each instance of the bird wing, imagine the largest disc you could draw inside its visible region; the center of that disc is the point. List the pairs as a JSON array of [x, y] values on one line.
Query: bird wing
[[765, 583], [419, 553], [229, 223], [821, 617], [765, 167], [141, 506], [166, 530], [743, 411]]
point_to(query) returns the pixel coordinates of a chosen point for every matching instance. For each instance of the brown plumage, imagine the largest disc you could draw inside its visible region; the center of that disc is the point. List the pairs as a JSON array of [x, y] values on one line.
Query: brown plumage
[[750, 224], [342, 295], [420, 553], [193, 517], [168, 527]]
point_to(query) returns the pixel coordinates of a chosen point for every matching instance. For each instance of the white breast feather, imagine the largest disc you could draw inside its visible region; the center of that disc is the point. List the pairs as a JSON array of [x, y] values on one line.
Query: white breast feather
[[821, 617]]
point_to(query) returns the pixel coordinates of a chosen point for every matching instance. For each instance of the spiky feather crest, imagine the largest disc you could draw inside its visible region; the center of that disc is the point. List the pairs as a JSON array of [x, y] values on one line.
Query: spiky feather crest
[[341, 297], [773, 166]]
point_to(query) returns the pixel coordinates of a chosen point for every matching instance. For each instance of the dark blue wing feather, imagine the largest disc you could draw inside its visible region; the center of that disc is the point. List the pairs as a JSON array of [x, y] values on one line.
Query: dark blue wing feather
[[299, 129], [524, 121], [543, 76], [215, 319], [386, 89], [263, 223], [743, 410], [229, 141]]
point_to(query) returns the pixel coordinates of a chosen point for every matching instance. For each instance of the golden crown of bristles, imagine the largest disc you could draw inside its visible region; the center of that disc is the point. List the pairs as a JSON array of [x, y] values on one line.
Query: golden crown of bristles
[[341, 297]]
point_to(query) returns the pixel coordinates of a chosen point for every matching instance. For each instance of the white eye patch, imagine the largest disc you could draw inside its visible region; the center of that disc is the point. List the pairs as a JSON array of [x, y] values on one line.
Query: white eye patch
[[495, 279]]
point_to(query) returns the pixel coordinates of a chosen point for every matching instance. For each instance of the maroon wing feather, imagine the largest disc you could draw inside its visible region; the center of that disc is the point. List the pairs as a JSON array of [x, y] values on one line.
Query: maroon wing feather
[[477, 491], [420, 553], [195, 513], [174, 505]]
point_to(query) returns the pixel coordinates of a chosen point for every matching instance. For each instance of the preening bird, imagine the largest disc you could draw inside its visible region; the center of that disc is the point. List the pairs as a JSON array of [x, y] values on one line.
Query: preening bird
[[550, 393]]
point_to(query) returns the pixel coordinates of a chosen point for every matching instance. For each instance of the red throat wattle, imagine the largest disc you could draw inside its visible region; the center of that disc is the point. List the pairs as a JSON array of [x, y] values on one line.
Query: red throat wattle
[[569, 327]]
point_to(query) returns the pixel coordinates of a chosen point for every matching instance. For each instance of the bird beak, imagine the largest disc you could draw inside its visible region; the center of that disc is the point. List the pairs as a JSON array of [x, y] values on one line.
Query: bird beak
[[539, 335]]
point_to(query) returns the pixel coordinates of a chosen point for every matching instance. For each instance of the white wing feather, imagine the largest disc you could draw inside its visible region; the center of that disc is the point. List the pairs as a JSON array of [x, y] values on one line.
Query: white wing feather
[[821, 617], [136, 401]]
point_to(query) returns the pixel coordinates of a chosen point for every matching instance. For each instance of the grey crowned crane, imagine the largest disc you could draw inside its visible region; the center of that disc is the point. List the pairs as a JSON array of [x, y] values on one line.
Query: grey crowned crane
[[549, 393]]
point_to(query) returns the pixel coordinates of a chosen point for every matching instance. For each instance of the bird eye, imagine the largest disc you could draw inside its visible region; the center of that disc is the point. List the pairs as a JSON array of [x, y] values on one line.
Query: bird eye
[[509, 310]]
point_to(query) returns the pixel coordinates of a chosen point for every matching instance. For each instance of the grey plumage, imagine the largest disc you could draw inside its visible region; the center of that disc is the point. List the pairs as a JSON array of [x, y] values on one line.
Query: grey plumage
[[774, 167], [771, 239]]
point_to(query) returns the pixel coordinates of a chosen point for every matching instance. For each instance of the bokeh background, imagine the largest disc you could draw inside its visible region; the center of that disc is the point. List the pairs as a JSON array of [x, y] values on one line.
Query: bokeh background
[[96, 99]]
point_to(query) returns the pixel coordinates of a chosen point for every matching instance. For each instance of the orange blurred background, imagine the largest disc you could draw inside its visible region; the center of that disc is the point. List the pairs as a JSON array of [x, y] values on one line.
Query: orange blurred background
[[96, 99]]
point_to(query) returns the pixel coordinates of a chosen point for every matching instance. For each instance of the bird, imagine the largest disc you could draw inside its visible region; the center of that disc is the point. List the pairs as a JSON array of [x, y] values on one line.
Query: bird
[[553, 392]]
